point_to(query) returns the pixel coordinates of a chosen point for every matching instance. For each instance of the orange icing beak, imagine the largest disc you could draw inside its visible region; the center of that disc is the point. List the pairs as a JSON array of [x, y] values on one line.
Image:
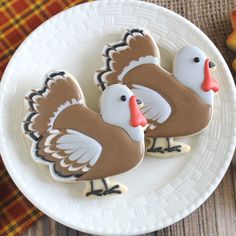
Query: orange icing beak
[[209, 83], [136, 117]]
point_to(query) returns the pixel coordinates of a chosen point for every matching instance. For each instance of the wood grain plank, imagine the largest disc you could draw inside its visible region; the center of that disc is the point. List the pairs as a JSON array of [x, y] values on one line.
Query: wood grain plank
[[175, 229], [208, 217], [225, 204], [52, 227], [83, 234], [61, 230], [192, 224], [72, 232], [150, 234]]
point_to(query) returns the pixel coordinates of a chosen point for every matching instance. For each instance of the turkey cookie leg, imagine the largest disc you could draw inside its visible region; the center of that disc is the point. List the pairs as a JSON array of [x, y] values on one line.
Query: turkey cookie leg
[[166, 147], [176, 148], [97, 192], [153, 148], [104, 187], [112, 189]]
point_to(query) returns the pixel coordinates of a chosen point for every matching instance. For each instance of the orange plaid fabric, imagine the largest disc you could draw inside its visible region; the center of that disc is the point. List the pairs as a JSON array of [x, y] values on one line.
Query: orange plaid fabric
[[18, 18]]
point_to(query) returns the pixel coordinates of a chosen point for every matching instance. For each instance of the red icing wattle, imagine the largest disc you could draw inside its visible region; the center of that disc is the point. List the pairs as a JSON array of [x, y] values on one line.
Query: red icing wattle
[[136, 117], [209, 83]]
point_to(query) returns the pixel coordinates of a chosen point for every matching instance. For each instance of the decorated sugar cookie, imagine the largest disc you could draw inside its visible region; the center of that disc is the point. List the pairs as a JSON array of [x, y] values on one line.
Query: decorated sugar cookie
[[79, 144], [175, 104], [231, 40]]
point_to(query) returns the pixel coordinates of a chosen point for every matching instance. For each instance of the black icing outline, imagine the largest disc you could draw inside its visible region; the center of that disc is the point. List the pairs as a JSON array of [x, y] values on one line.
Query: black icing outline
[[28, 121], [36, 154], [30, 115], [114, 47]]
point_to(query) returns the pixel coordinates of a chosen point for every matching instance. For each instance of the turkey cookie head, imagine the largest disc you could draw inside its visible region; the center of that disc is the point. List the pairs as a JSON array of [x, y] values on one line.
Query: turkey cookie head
[[193, 69], [119, 107]]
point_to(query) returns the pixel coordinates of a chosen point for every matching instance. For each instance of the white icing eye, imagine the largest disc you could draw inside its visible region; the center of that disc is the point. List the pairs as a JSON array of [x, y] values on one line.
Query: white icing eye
[[123, 98], [196, 59]]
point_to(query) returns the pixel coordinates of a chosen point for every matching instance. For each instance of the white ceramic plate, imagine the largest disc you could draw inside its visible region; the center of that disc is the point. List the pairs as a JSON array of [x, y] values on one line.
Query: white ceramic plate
[[161, 192]]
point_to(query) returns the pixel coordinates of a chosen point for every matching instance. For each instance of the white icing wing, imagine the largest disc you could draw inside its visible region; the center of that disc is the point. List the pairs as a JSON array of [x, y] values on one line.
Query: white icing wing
[[74, 151], [155, 107]]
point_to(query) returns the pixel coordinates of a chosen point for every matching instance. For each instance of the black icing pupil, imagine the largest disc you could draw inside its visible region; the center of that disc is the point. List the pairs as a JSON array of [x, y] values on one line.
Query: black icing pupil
[[123, 98], [196, 59]]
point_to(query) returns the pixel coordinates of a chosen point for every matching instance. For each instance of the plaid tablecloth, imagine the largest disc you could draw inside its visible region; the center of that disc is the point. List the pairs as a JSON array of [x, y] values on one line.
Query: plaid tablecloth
[[18, 18]]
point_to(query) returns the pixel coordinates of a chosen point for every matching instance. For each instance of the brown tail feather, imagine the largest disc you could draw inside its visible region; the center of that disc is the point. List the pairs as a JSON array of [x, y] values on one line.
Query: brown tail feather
[[135, 44], [58, 89]]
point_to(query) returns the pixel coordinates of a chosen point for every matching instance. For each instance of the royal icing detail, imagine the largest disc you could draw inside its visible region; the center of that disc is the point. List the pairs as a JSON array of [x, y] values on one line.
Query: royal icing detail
[[140, 61], [113, 58], [79, 144], [193, 74], [117, 112], [156, 107], [136, 117], [176, 104], [60, 109], [209, 83]]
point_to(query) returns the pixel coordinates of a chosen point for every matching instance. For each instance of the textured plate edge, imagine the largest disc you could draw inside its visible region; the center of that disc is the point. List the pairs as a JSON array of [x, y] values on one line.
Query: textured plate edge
[[195, 204]]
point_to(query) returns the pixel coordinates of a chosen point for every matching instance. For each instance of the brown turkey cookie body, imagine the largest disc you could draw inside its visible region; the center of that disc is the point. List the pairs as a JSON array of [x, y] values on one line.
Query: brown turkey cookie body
[[79, 144], [175, 104], [113, 139], [189, 112]]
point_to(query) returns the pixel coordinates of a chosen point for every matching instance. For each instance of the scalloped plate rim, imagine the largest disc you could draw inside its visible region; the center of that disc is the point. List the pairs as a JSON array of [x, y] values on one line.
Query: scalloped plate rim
[[179, 216]]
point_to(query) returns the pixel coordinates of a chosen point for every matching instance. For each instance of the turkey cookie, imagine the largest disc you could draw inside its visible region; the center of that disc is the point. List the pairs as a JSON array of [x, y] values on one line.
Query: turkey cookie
[[231, 40], [79, 144], [175, 104]]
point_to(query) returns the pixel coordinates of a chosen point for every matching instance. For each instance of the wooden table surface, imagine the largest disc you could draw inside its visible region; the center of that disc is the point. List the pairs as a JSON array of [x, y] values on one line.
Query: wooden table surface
[[217, 216]]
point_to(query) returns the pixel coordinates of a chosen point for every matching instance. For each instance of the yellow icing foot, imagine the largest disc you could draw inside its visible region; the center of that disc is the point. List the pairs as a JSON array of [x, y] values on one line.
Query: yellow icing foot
[[104, 187], [166, 147]]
